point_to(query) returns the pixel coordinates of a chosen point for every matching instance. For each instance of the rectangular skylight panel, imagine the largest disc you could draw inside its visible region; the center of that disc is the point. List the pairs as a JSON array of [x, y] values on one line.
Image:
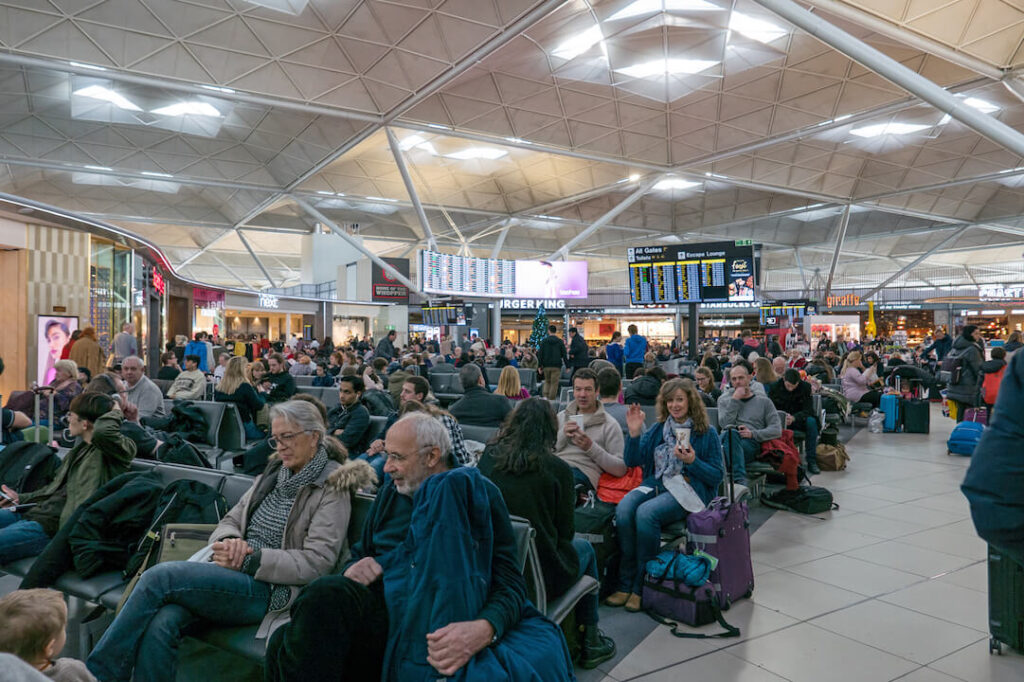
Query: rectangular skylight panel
[[107, 95], [756, 29], [663, 67], [488, 153], [648, 6], [891, 128], [981, 105], [191, 108], [579, 43], [675, 184], [411, 141]]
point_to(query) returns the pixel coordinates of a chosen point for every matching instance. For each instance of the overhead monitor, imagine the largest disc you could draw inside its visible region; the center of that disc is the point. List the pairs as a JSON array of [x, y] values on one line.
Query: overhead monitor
[[710, 272], [773, 314], [442, 273], [437, 316]]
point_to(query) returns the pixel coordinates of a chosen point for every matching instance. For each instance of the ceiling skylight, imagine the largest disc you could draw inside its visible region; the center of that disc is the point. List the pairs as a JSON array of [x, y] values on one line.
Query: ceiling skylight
[[675, 184], [191, 108], [411, 141], [892, 128], [665, 67], [648, 6], [489, 153], [101, 93], [756, 29], [579, 43], [981, 105]]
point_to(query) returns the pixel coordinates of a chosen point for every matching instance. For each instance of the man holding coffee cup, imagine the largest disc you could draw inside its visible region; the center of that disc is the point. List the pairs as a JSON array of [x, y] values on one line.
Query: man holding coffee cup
[[589, 440]]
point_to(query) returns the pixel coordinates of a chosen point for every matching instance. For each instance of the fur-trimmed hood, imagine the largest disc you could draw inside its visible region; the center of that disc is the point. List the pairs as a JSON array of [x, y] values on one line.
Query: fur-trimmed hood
[[352, 476]]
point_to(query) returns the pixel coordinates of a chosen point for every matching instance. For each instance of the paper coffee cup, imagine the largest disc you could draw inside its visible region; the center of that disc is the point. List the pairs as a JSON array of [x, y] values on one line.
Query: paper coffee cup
[[579, 419], [683, 436]]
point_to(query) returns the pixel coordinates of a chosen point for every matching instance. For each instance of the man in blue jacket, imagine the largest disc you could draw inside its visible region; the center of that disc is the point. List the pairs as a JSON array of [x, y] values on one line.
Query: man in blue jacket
[[633, 352], [417, 600]]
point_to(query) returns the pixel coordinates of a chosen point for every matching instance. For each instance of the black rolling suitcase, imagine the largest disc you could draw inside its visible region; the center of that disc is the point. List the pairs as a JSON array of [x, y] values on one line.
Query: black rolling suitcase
[[916, 416], [1005, 601]]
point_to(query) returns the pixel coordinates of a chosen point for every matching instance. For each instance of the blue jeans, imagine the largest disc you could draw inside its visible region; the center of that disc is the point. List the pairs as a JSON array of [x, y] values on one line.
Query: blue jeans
[[639, 519], [810, 430], [168, 598], [586, 608], [743, 450], [19, 538]]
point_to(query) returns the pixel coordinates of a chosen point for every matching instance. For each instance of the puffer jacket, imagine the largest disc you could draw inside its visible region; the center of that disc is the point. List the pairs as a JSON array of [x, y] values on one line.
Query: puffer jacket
[[643, 391], [995, 478], [87, 467], [315, 538], [966, 391]]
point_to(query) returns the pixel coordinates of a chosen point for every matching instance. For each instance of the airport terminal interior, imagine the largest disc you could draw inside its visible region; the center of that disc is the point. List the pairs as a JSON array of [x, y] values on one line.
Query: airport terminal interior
[[715, 303]]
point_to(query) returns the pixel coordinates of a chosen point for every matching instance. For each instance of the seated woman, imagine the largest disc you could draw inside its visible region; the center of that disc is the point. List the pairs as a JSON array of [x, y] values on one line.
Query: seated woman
[[709, 393], [100, 454], [509, 384], [857, 379], [285, 532], [235, 388], [694, 470], [65, 387], [764, 374], [303, 366], [539, 486]]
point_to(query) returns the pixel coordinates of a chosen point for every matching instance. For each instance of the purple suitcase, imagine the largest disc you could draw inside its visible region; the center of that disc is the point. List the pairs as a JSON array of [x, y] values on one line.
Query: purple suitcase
[[723, 531]]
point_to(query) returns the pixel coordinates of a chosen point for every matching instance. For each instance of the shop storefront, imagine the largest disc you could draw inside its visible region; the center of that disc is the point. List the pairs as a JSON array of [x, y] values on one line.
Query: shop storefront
[[207, 311], [110, 289], [275, 317]]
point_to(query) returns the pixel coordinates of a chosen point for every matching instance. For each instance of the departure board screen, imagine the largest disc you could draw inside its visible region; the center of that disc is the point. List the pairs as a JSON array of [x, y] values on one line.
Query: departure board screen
[[437, 316], [442, 273], [691, 273], [778, 312]]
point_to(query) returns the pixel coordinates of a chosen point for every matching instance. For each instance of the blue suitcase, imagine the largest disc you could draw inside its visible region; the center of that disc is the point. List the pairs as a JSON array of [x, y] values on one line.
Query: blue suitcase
[[891, 407], [964, 438]]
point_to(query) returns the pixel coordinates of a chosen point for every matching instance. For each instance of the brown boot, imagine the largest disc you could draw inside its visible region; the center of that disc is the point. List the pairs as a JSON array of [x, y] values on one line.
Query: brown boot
[[616, 599], [633, 603]]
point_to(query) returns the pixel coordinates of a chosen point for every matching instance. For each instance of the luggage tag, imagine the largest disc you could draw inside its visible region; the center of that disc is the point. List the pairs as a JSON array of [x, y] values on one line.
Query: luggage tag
[[713, 560]]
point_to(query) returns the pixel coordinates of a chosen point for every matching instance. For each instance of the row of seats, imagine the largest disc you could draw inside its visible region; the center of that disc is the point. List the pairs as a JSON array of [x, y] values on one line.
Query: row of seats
[[107, 588]]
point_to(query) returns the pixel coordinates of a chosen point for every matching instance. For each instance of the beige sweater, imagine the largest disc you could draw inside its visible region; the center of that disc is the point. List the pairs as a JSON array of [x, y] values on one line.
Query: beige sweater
[[606, 452]]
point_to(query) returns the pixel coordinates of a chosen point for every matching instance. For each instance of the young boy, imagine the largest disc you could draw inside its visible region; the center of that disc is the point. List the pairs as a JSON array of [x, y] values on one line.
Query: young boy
[[32, 624]]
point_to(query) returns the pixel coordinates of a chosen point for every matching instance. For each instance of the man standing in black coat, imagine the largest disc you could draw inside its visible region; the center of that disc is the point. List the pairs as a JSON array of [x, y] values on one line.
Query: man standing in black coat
[[478, 407], [550, 356], [578, 351]]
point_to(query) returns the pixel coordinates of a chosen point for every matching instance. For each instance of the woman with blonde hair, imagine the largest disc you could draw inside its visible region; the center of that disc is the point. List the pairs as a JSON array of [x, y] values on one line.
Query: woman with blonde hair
[[856, 380], [235, 388], [510, 386], [765, 373], [681, 457]]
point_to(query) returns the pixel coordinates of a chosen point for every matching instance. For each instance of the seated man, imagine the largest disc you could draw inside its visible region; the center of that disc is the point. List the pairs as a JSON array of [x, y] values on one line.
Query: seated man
[[140, 390], [398, 377], [101, 454], [609, 385], [190, 384], [595, 445], [478, 407], [277, 384], [793, 396], [747, 419], [350, 420], [462, 606]]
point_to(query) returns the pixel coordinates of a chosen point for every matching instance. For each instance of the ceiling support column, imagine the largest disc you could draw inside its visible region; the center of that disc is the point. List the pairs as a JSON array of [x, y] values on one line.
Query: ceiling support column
[[844, 222], [917, 261], [611, 215], [897, 73], [248, 247], [396, 151]]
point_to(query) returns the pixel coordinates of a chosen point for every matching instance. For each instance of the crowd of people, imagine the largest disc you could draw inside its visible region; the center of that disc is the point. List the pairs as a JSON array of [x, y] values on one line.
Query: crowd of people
[[333, 606]]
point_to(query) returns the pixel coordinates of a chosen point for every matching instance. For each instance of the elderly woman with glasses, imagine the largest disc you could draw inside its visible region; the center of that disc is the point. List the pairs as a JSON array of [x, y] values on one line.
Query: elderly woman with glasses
[[285, 532]]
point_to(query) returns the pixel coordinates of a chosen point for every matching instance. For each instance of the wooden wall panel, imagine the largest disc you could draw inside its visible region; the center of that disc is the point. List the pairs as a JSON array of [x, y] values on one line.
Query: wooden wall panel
[[14, 321]]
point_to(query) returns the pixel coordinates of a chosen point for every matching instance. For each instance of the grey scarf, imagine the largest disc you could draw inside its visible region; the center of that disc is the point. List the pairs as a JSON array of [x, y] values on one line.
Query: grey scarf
[[266, 527]]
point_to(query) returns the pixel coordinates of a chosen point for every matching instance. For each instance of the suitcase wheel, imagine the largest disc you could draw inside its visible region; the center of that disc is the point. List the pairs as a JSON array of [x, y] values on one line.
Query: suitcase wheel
[[995, 646]]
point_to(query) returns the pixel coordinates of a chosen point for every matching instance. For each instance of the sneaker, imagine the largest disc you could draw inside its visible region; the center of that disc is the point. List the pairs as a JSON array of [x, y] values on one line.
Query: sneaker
[[812, 468], [616, 599], [633, 603], [597, 653]]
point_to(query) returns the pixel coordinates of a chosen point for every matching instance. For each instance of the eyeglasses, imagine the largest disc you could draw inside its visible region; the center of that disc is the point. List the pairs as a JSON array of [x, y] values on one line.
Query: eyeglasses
[[394, 457], [284, 439]]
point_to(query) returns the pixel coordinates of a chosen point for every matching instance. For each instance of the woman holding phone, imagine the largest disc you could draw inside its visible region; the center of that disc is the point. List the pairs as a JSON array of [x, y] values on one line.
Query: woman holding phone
[[681, 457]]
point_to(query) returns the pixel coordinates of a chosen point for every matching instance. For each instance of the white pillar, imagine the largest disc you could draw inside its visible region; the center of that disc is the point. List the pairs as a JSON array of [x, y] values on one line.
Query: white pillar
[[287, 326]]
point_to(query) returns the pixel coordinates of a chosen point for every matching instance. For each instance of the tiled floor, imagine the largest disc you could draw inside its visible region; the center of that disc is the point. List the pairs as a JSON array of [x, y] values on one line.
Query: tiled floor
[[891, 586]]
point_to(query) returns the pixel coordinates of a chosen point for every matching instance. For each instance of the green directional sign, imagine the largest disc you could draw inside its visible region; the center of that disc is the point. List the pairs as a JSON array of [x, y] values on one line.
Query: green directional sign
[[744, 242]]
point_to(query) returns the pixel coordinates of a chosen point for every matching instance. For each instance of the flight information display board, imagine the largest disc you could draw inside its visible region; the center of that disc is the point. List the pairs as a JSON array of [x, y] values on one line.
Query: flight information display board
[[438, 316], [773, 314], [443, 273], [691, 273]]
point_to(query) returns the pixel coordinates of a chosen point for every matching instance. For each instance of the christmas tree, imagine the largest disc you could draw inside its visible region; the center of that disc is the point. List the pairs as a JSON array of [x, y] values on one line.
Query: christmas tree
[[540, 328]]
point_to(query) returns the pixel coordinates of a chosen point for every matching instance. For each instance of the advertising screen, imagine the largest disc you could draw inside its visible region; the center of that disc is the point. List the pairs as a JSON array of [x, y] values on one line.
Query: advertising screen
[[52, 333], [442, 273], [691, 273]]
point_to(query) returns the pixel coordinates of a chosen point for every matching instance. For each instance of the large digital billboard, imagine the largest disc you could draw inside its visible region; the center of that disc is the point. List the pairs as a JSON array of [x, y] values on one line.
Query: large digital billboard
[[691, 273], [52, 333], [442, 273]]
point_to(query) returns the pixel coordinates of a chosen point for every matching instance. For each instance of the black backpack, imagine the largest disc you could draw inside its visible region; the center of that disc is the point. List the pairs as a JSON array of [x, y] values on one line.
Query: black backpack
[[182, 501], [594, 521], [177, 450], [953, 365], [27, 466], [808, 499]]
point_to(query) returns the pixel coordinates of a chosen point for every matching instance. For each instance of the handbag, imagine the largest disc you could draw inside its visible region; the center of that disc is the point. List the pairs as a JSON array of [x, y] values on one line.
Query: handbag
[[175, 542], [612, 489]]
